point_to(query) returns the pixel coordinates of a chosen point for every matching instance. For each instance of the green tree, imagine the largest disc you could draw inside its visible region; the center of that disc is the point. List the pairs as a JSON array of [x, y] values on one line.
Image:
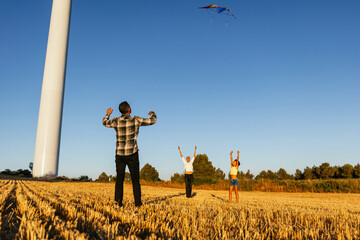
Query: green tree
[[298, 175], [272, 175], [149, 173], [356, 172], [220, 175], [267, 175], [346, 171], [6, 172], [249, 175], [103, 177], [112, 178], [204, 171], [261, 175], [308, 173], [177, 178], [282, 174], [325, 171], [61, 178], [23, 173], [242, 175], [127, 177], [315, 171], [84, 178], [336, 170]]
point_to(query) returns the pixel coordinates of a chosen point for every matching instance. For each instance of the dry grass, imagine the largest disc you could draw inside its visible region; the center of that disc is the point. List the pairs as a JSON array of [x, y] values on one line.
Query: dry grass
[[45, 210]]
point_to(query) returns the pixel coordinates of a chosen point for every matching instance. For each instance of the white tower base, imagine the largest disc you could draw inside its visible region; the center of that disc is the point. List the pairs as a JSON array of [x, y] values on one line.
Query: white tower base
[[46, 157]]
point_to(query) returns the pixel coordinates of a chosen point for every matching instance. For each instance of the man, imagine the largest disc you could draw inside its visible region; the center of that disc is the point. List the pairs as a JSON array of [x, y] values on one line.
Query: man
[[127, 130]]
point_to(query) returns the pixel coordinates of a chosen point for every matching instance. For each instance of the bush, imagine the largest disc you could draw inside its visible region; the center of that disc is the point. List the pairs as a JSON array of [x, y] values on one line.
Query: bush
[[149, 173], [103, 177], [61, 178], [177, 178], [202, 181]]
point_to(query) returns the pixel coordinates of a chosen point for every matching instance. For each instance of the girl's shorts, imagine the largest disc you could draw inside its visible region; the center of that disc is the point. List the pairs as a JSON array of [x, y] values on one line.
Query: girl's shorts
[[234, 182]]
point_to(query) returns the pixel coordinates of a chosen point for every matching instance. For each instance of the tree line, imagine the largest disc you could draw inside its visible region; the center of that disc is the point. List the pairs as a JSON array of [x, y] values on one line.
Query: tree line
[[324, 171], [147, 173], [206, 173], [17, 173]]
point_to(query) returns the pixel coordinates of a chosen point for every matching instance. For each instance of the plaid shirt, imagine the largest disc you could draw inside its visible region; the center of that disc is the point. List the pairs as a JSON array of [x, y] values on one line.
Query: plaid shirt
[[127, 130]]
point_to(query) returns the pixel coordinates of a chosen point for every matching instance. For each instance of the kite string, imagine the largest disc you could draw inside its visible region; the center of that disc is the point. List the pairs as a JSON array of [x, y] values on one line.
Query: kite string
[[210, 22]]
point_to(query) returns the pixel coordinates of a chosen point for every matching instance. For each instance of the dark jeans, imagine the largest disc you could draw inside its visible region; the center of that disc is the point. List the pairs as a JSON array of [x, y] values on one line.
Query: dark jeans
[[132, 161], [188, 183]]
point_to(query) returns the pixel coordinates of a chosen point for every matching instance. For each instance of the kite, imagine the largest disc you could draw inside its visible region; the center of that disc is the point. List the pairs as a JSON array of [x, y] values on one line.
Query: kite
[[219, 9]]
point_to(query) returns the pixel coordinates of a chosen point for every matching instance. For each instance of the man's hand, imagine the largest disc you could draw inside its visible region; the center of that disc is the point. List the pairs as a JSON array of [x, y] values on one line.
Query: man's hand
[[151, 112], [109, 111], [231, 152], [179, 148], [238, 152]]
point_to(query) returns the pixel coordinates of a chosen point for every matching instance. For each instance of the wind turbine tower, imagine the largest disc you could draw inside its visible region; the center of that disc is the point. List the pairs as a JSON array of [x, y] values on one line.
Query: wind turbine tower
[[46, 157]]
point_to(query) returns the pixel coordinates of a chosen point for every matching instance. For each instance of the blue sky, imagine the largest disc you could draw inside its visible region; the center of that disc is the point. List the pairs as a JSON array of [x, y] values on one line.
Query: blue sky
[[280, 83]]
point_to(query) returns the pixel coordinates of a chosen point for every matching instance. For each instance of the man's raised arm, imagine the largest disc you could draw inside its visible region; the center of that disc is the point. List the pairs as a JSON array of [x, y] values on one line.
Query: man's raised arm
[[106, 122], [149, 121]]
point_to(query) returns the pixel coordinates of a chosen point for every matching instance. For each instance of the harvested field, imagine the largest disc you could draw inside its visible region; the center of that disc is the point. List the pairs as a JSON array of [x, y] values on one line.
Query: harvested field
[[68, 210]]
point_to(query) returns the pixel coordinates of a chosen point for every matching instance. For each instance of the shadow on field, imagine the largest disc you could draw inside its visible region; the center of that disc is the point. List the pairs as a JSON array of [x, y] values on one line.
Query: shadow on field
[[10, 216], [160, 199], [218, 198]]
